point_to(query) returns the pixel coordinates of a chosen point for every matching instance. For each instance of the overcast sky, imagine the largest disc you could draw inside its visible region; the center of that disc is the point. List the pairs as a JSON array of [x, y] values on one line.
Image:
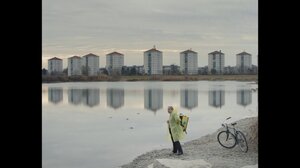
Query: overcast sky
[[79, 27]]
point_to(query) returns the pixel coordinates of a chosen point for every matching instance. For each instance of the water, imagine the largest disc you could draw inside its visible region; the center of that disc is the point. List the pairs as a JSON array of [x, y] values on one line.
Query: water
[[107, 124]]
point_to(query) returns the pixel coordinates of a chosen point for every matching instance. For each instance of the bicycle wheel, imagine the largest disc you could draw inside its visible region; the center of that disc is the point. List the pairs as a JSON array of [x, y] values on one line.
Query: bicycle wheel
[[226, 139], [241, 140]]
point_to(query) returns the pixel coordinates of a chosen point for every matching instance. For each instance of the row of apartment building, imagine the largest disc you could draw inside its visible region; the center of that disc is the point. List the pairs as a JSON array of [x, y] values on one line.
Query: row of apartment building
[[153, 63]]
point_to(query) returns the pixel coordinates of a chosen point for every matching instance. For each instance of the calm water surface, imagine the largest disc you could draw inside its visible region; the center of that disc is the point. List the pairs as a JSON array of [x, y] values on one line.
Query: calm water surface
[[107, 124]]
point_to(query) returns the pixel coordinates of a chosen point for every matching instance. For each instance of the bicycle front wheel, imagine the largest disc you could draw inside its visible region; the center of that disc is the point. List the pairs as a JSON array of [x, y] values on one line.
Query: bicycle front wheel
[[226, 139], [241, 140]]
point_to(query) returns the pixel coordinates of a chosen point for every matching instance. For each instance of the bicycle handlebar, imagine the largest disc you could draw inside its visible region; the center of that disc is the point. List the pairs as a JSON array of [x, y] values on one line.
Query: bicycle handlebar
[[226, 125]]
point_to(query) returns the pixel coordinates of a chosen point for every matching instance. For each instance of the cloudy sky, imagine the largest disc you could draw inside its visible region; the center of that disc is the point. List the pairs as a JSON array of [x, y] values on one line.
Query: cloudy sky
[[79, 27]]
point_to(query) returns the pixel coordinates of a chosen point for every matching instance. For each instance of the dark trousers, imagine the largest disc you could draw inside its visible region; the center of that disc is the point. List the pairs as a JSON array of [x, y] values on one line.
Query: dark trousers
[[176, 145]]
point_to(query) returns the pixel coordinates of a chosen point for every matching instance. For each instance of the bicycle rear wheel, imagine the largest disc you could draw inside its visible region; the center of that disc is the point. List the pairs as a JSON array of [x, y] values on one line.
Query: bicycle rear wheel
[[226, 139], [241, 140]]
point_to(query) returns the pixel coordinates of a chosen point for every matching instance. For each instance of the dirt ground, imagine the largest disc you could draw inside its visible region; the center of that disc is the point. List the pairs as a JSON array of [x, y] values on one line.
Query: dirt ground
[[208, 148]]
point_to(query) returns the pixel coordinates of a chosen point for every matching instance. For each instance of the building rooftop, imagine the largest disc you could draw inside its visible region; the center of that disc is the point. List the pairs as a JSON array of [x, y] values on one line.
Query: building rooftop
[[77, 57], [153, 50], [188, 51], [243, 53], [90, 55], [55, 58], [216, 52], [116, 53]]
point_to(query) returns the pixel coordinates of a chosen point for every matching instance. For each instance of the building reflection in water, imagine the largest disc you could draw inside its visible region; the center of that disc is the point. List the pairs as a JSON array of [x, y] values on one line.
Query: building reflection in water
[[216, 97], [188, 98], [153, 99], [55, 95], [91, 97], [75, 96], [115, 97], [244, 97]]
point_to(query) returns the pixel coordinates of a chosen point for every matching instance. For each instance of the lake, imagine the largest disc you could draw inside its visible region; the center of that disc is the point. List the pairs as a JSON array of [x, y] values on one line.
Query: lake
[[108, 124]]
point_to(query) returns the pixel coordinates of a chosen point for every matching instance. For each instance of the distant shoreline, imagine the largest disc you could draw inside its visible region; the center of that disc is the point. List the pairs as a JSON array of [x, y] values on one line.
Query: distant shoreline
[[105, 78]]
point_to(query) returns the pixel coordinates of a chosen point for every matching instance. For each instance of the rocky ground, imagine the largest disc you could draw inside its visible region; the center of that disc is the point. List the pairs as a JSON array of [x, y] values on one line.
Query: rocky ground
[[208, 149]]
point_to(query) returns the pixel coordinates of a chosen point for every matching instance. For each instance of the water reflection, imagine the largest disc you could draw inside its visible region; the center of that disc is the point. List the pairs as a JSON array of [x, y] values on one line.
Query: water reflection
[[216, 97], [188, 98], [90, 97], [115, 97], [75, 96], [55, 95], [244, 97], [153, 99]]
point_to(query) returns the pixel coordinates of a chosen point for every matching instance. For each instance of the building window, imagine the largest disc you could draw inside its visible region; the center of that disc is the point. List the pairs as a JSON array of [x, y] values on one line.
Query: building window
[[214, 57], [87, 66], [111, 60], [242, 61], [149, 63], [185, 58]]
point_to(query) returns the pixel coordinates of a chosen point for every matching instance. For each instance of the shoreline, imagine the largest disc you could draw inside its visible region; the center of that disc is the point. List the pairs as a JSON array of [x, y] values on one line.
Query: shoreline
[[207, 148], [105, 78]]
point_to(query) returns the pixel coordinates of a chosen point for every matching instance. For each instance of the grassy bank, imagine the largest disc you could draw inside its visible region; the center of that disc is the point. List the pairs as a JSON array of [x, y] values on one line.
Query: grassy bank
[[52, 79], [191, 78]]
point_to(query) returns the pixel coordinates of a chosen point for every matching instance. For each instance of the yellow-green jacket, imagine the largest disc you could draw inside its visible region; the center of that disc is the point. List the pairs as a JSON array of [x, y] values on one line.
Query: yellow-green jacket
[[176, 129]]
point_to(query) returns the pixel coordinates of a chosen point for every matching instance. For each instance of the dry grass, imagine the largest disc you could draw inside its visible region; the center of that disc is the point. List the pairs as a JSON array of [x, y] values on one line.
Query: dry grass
[[48, 79], [191, 78]]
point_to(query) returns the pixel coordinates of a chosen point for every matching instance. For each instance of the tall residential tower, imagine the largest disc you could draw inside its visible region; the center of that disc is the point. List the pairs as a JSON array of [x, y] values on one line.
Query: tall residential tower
[[153, 62], [216, 61], [189, 62]]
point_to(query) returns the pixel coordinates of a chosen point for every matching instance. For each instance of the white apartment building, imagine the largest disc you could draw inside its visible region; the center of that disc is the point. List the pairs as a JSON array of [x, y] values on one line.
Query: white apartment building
[[243, 62], [216, 61], [55, 65], [114, 62], [74, 66], [189, 62], [153, 62], [91, 64], [140, 69]]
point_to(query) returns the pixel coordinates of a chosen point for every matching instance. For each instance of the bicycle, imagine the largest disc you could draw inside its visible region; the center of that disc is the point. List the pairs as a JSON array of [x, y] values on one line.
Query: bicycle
[[229, 139]]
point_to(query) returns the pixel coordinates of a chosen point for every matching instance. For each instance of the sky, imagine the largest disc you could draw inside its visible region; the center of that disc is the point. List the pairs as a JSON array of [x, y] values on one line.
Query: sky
[[79, 27]]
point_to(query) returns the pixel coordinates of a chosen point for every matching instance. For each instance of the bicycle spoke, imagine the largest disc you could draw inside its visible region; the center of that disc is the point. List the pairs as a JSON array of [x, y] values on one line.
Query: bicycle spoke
[[226, 139], [242, 142]]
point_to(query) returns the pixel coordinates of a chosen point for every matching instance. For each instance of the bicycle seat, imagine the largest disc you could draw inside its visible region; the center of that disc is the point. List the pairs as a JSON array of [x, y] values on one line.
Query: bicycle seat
[[233, 124]]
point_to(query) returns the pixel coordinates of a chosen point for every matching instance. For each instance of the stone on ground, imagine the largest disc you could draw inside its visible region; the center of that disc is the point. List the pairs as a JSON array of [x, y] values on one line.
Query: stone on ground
[[250, 166], [176, 163]]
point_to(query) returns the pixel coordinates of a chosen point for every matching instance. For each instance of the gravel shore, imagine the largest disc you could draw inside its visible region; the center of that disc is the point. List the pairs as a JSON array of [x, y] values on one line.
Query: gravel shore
[[208, 148]]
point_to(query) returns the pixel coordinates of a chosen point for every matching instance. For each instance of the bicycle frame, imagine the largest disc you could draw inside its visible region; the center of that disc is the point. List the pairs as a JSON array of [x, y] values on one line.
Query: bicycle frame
[[235, 133], [225, 125], [227, 128]]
